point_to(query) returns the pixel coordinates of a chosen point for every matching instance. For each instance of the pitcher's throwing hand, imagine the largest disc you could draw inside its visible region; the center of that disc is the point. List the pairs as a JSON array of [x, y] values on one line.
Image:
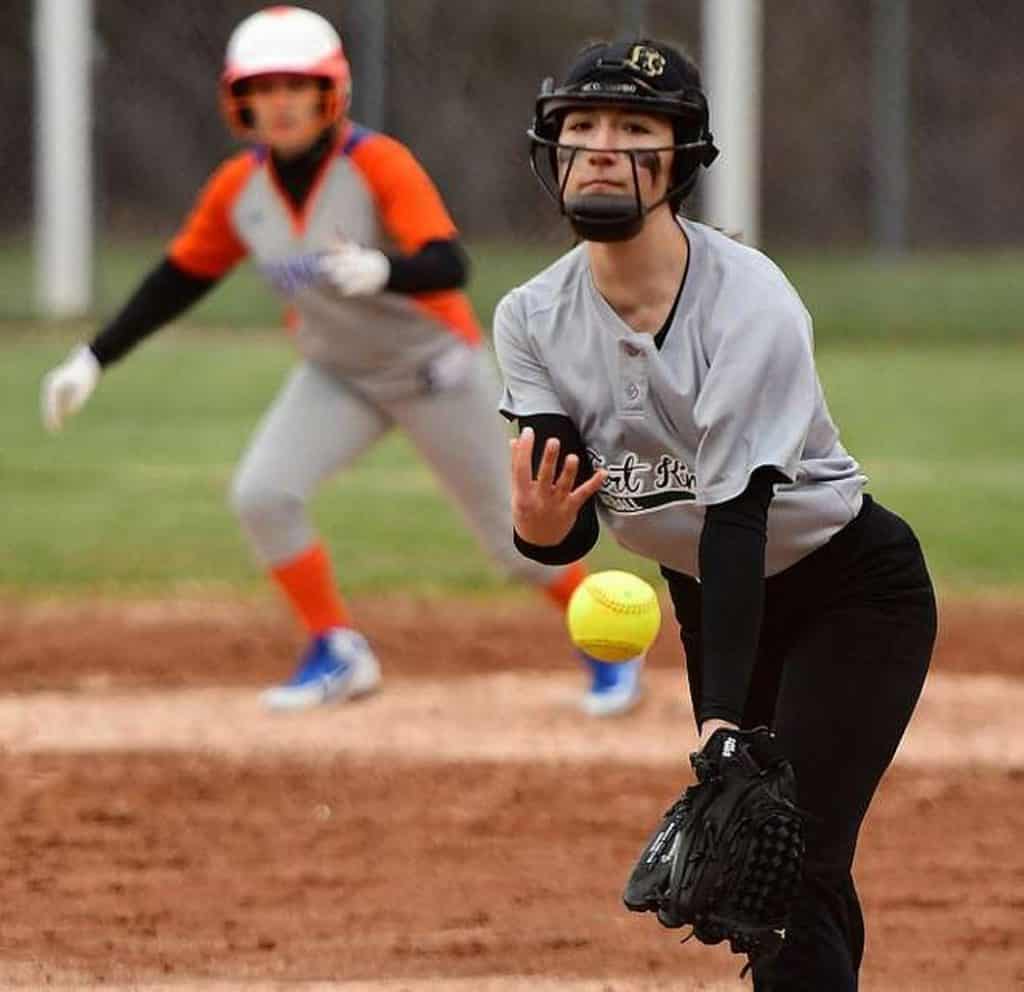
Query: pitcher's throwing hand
[[545, 507]]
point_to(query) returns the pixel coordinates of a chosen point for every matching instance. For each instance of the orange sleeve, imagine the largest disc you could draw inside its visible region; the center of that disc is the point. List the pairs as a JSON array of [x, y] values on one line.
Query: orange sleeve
[[207, 244], [408, 202]]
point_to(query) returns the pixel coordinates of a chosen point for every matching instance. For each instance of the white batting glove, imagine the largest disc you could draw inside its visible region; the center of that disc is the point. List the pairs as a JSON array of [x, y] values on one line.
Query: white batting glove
[[66, 388], [355, 271]]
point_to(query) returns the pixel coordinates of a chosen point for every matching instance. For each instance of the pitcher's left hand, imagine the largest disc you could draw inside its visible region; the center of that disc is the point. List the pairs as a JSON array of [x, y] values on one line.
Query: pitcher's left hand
[[545, 508]]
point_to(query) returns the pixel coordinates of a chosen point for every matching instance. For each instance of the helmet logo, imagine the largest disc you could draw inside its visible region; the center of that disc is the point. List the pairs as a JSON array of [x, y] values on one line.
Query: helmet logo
[[647, 60]]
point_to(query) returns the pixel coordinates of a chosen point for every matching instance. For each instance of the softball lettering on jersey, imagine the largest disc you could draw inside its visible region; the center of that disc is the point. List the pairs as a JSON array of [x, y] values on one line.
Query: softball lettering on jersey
[[636, 486], [681, 426], [290, 275]]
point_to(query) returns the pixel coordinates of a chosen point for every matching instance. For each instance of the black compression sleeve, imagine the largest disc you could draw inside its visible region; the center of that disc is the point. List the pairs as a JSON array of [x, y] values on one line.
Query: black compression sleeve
[[437, 265], [584, 533], [164, 294], [732, 546]]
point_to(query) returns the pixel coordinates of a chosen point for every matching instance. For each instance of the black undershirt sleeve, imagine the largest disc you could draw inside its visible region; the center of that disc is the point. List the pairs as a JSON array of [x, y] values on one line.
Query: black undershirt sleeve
[[437, 265], [168, 291], [584, 533], [164, 294], [732, 547]]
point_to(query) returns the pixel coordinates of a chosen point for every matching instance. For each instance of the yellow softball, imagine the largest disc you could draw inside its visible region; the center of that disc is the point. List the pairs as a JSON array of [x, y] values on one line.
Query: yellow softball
[[613, 615]]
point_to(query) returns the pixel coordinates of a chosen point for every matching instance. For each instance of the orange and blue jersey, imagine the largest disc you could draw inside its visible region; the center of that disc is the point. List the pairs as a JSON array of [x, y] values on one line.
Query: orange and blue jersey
[[370, 190]]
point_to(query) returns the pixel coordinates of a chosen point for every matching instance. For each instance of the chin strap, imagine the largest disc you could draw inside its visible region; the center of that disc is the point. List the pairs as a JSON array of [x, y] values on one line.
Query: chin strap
[[602, 217]]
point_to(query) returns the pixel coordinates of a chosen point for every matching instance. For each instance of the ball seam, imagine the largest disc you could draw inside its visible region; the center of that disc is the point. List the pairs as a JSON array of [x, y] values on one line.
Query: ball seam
[[618, 606]]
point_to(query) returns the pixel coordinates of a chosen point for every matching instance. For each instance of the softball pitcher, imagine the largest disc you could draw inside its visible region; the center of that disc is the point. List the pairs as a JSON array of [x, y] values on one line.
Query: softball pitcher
[[346, 226], [664, 382]]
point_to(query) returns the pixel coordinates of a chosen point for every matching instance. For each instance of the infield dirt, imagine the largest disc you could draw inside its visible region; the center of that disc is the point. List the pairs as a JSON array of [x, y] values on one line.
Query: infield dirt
[[465, 829]]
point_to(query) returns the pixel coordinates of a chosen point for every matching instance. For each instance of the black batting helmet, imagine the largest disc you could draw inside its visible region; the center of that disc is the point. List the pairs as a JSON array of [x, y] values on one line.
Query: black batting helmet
[[642, 74]]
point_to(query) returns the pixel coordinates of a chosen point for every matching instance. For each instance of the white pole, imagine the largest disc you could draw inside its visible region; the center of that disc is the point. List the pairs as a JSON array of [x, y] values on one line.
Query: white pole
[[732, 79], [891, 123], [63, 156]]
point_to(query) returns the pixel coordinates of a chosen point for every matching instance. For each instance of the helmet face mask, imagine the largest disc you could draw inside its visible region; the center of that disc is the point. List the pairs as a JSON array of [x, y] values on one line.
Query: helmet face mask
[[644, 77], [245, 95], [602, 217]]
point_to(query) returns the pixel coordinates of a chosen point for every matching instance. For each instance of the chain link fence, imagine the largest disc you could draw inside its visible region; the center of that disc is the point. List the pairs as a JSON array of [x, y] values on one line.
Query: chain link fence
[[457, 82]]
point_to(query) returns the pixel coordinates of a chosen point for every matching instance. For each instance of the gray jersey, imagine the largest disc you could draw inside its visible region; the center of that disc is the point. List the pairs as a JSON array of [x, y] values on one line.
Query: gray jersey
[[732, 388]]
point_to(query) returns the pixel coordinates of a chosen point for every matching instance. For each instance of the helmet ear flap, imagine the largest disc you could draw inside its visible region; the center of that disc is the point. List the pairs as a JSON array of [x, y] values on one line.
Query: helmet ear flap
[[685, 171], [331, 105], [236, 111], [544, 126], [547, 126], [710, 152], [687, 162]]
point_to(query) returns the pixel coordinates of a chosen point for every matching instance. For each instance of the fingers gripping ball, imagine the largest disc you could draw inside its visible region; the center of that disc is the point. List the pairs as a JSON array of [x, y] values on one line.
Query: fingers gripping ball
[[613, 616]]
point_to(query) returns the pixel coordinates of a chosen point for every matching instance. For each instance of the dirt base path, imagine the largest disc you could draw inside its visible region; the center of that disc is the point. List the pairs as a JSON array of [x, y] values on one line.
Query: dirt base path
[[463, 830]]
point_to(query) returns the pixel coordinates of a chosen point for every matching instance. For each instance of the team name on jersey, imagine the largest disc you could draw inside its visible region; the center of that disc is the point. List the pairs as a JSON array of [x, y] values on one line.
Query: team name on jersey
[[290, 275], [636, 486]]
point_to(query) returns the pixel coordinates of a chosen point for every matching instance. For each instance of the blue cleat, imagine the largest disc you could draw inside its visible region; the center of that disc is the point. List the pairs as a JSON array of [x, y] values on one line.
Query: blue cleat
[[337, 665], [615, 687]]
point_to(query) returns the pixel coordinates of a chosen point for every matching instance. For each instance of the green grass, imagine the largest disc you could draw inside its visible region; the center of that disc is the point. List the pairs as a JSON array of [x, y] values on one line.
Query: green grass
[[922, 360], [955, 299], [939, 432], [951, 298], [130, 499], [242, 300]]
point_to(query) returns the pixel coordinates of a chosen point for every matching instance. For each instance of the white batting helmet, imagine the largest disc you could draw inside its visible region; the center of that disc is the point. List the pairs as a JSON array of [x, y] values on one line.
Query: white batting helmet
[[289, 40]]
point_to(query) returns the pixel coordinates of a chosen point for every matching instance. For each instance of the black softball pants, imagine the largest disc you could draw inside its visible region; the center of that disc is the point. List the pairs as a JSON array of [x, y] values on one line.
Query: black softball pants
[[845, 645]]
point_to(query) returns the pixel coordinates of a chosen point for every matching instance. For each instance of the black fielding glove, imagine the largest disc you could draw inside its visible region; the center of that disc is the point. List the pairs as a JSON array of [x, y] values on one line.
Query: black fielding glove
[[726, 858]]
